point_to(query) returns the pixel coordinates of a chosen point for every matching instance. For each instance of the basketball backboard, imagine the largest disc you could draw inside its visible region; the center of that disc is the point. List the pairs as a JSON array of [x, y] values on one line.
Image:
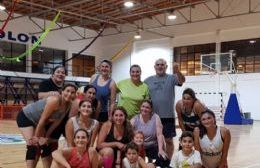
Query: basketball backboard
[[217, 63]]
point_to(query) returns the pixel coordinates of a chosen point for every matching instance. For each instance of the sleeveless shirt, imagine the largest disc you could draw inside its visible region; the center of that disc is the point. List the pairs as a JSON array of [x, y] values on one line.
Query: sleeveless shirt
[[211, 150], [89, 130], [34, 111], [148, 129], [110, 137], [190, 121], [77, 161], [103, 93]]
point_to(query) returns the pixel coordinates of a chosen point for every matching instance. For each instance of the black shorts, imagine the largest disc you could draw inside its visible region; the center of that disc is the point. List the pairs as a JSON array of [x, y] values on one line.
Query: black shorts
[[168, 127], [23, 121]]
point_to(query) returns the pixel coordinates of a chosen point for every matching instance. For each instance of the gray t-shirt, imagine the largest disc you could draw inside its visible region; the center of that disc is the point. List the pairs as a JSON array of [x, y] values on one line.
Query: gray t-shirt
[[162, 93]]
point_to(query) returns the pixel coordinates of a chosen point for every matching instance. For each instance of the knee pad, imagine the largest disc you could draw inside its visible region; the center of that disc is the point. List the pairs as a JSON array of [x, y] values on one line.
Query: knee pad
[[31, 152], [107, 161], [45, 150]]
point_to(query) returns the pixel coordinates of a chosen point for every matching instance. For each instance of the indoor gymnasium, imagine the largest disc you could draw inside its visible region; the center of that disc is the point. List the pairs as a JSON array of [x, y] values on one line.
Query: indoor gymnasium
[[81, 80]]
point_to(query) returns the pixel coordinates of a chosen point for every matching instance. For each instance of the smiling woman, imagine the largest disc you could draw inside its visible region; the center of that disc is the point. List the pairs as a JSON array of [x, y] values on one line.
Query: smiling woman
[[189, 110], [132, 91], [82, 120], [37, 122], [150, 124], [106, 90], [113, 137], [212, 141], [80, 156]]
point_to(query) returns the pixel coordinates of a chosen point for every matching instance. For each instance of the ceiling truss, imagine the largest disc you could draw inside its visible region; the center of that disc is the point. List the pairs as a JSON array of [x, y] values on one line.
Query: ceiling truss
[[93, 14]]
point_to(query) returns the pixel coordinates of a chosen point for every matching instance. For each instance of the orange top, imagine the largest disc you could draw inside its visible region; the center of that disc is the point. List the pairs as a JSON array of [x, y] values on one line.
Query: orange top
[[78, 161]]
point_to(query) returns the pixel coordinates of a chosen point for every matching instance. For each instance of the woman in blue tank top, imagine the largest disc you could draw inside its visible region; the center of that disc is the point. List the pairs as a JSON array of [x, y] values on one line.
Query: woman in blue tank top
[[106, 90]]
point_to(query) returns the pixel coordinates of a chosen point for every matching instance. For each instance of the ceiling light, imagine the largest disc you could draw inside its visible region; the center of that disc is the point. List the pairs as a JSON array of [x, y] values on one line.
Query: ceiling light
[[252, 41], [2, 7], [129, 4], [172, 16], [137, 36]]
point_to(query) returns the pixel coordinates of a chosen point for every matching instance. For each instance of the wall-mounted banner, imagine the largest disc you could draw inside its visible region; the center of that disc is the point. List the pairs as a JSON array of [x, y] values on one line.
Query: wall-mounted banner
[[21, 37]]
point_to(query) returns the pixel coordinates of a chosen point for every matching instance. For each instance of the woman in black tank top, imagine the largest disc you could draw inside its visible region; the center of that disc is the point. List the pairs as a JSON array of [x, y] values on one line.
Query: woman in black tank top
[[188, 110], [113, 137]]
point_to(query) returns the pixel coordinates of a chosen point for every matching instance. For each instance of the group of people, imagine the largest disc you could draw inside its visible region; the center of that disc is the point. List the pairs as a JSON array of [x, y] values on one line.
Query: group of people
[[137, 131]]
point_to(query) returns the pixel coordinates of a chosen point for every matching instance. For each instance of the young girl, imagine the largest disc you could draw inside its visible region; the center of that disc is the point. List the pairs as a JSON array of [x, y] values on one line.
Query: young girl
[[139, 141], [80, 156], [187, 157], [132, 159]]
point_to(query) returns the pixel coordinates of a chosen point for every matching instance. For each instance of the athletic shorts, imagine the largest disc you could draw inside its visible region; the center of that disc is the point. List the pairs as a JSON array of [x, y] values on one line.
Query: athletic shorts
[[168, 127], [23, 121]]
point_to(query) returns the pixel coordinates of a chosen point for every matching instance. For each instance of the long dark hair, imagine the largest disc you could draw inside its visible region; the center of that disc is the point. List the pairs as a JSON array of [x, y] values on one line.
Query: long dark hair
[[128, 129], [95, 101], [190, 92], [203, 130], [89, 86]]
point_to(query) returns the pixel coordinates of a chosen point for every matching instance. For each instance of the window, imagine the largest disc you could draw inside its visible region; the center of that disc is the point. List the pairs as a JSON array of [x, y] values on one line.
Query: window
[[188, 57], [83, 65], [45, 59], [9, 49], [247, 54]]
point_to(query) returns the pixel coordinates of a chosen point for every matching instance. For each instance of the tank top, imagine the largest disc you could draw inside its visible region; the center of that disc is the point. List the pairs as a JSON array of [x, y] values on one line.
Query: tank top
[[190, 121], [34, 111], [110, 137], [89, 130], [211, 150], [77, 161], [103, 94], [148, 129]]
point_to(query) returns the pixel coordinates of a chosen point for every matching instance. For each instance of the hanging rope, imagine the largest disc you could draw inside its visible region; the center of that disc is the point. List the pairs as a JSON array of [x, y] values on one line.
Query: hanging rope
[[9, 16], [36, 44], [81, 51]]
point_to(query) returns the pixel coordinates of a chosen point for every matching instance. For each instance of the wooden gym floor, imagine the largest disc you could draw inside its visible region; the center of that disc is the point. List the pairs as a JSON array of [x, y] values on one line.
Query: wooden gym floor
[[244, 150]]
